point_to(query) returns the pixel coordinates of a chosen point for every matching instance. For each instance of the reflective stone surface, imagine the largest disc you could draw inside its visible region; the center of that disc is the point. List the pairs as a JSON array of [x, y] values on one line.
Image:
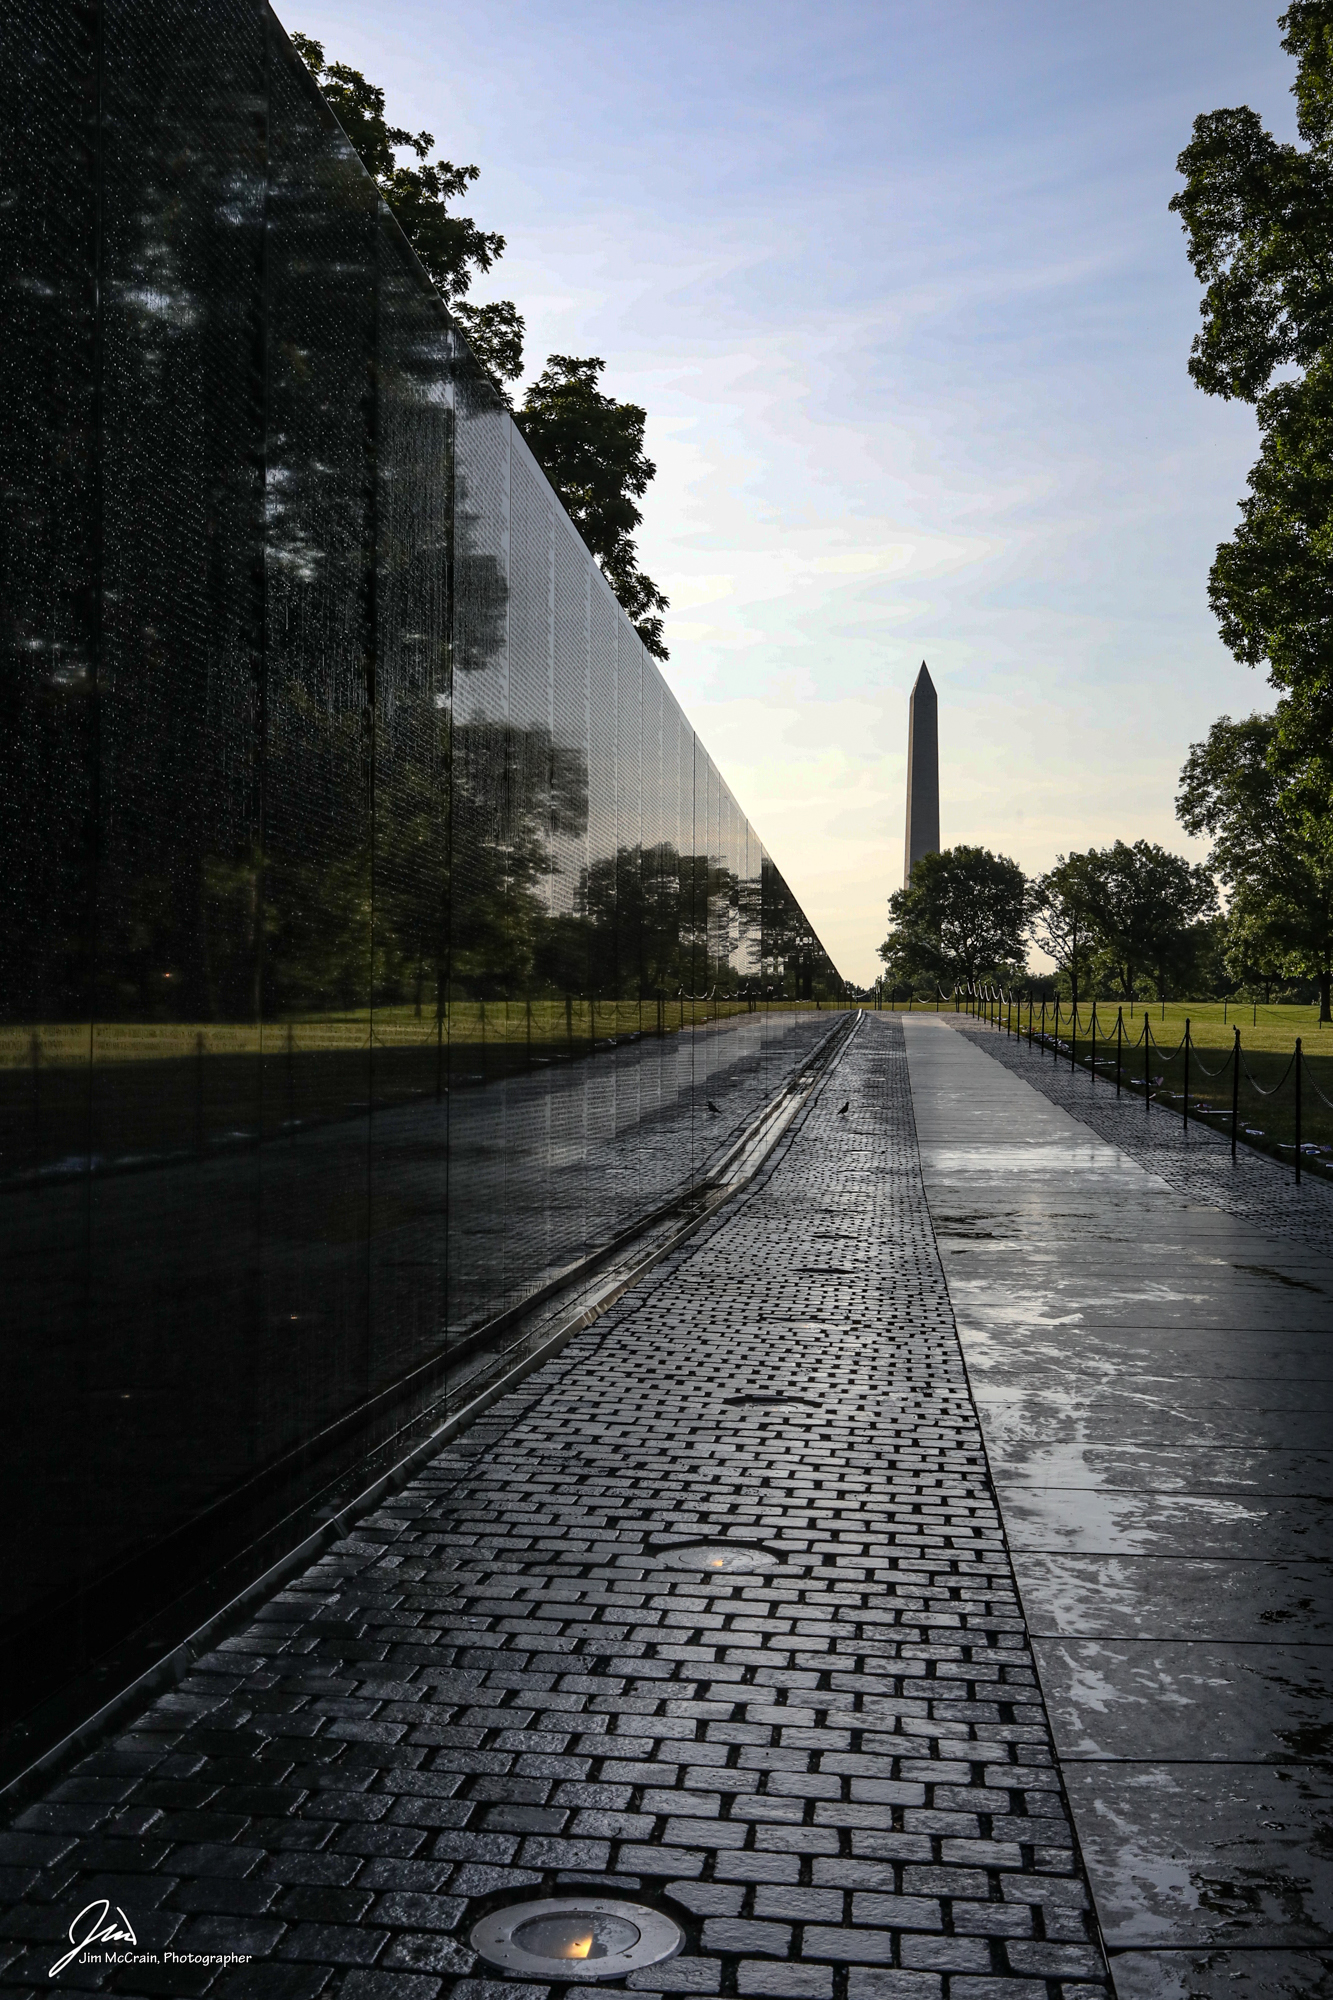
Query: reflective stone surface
[[1192, 1854], [1223, 1975], [1153, 1379], [376, 937], [1196, 1698]]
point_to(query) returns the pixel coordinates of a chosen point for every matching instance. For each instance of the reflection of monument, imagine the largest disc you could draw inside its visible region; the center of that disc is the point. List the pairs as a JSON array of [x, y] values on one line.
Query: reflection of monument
[[923, 774]]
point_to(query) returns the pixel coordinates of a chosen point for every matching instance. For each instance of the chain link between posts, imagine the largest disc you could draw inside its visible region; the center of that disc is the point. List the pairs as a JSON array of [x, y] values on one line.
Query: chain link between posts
[[1004, 1011]]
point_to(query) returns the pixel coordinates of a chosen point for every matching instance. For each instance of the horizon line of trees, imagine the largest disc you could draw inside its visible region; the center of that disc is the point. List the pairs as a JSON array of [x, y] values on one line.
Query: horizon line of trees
[[1134, 921]]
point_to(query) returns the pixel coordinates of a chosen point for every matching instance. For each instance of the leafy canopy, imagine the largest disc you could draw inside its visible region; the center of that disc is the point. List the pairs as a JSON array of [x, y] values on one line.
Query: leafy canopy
[[1148, 907], [451, 247], [961, 918], [1271, 585], [591, 447], [1266, 806], [1063, 917], [1258, 219]]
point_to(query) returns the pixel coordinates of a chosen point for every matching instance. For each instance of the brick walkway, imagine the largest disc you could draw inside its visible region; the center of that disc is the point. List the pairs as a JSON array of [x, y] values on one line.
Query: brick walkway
[[837, 1773]]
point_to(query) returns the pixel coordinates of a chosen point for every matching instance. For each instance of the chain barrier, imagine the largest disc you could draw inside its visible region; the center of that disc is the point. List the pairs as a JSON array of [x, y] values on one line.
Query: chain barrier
[[1004, 1011]]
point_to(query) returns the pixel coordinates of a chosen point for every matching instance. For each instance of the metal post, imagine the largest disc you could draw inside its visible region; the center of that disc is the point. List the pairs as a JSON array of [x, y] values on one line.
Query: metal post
[[35, 1057], [199, 1092], [1187, 1073], [1235, 1093], [1298, 1110], [1092, 1064], [1147, 1079], [1043, 1020], [1119, 1041], [1073, 1035]]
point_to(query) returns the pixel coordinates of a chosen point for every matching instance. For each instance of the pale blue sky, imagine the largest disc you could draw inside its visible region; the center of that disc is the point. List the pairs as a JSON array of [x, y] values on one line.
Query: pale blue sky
[[899, 290]]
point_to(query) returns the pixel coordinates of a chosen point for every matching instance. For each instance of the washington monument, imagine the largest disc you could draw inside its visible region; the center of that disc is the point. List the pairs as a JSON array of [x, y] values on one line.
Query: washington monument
[[923, 774]]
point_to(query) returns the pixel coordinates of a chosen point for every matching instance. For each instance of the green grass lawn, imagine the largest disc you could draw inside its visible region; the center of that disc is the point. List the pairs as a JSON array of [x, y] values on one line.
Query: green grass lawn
[[148, 1090], [58, 1044]]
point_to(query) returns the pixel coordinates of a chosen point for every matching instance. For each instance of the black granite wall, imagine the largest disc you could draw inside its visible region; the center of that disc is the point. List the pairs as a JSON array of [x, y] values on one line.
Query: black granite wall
[[374, 929]]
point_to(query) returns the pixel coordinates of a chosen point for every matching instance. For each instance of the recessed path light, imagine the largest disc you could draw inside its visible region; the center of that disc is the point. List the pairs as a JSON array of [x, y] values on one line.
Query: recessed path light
[[728, 1558], [576, 1937]]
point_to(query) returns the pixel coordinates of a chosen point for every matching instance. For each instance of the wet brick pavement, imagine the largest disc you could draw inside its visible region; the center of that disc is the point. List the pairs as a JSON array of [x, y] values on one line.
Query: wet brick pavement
[[837, 1773]]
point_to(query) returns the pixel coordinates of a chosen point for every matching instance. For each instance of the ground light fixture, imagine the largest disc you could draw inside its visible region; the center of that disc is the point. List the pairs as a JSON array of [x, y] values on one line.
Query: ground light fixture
[[722, 1558], [576, 1937]]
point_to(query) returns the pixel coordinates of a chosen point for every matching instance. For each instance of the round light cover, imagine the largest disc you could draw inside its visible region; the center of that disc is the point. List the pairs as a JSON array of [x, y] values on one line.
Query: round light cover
[[576, 1937], [718, 1558]]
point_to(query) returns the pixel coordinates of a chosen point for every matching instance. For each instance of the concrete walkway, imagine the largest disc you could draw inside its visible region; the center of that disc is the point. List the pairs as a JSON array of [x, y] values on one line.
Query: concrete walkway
[[1155, 1383], [714, 1613]]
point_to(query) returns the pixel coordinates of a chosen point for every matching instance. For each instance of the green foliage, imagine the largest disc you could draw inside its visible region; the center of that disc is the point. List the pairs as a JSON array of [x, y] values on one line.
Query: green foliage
[[1258, 217], [961, 919], [452, 249], [589, 445], [1271, 585], [1267, 803], [1150, 909], [1062, 918], [591, 448]]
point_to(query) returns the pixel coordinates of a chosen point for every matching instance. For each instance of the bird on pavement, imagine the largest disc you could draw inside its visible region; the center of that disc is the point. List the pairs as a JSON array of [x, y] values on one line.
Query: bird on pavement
[[711, 1106], [843, 1109]]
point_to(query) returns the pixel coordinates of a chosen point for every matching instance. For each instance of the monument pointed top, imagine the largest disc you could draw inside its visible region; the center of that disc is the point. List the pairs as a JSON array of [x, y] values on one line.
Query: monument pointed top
[[923, 678]]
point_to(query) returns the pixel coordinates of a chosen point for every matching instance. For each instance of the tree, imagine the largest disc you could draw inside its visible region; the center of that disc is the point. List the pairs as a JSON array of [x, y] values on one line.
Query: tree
[[591, 448], [1258, 217], [452, 249], [1062, 917], [1266, 805], [589, 445], [1271, 585], [960, 920], [1147, 906]]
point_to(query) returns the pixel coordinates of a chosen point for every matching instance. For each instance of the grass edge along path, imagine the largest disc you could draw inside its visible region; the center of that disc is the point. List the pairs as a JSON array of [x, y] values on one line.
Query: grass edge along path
[[1276, 1100]]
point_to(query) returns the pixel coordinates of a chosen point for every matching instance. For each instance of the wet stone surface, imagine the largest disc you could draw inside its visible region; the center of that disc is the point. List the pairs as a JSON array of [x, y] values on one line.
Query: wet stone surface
[[1195, 1160], [833, 1767], [1153, 1370]]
